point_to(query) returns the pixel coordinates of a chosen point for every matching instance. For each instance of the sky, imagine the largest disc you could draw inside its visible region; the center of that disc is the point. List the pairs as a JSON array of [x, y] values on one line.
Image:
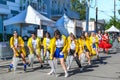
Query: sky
[[105, 9]]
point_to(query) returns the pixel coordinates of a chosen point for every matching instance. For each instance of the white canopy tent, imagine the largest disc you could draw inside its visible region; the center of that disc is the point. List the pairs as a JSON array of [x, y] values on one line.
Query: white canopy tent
[[29, 16], [66, 25], [112, 29]]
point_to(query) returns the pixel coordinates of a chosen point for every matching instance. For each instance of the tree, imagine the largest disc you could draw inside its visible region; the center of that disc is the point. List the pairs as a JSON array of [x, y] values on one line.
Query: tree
[[111, 22], [79, 7], [92, 19], [119, 11]]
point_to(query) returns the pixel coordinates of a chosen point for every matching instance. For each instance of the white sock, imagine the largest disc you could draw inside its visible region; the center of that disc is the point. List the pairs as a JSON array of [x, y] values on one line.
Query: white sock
[[71, 59], [68, 61], [66, 72]]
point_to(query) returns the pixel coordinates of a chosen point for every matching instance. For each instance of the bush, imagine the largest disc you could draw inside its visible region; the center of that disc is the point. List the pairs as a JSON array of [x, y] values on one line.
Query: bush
[[9, 36], [1, 38]]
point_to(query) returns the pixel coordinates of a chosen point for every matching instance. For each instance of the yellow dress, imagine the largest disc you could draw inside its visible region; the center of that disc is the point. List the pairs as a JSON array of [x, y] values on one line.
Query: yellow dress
[[21, 43], [38, 46], [53, 47]]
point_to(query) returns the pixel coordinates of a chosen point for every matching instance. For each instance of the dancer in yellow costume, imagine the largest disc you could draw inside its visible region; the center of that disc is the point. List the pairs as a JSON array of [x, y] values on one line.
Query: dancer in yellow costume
[[87, 40], [84, 47], [94, 43], [57, 51], [97, 44], [46, 45], [72, 51], [98, 40], [17, 45], [34, 46]]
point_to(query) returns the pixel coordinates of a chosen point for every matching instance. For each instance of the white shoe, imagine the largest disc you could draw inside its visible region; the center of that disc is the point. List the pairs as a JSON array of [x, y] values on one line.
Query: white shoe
[[56, 75], [89, 64], [66, 74], [68, 68], [50, 73]]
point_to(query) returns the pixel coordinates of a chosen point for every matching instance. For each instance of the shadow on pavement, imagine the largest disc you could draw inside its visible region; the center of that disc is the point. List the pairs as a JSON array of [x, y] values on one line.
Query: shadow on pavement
[[100, 60], [4, 66], [77, 71], [92, 66]]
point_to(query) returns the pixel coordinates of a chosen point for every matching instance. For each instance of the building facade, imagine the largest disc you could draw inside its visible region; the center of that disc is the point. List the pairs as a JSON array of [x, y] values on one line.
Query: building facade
[[8, 9], [52, 9]]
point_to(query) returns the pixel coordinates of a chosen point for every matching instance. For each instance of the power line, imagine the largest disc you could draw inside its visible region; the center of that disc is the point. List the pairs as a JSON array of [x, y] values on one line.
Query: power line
[[101, 11], [104, 12]]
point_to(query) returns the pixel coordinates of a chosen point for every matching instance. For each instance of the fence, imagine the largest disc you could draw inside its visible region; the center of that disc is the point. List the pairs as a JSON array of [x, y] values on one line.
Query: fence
[[5, 50]]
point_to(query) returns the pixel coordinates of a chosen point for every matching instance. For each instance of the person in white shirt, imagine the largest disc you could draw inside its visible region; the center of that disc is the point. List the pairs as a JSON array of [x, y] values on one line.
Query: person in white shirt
[[73, 51], [17, 45], [57, 51], [34, 46], [46, 46]]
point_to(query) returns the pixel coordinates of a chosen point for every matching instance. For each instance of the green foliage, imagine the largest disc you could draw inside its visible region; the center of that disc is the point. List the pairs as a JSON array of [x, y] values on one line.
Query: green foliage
[[1, 38], [111, 22], [79, 7], [119, 11], [92, 19], [9, 36]]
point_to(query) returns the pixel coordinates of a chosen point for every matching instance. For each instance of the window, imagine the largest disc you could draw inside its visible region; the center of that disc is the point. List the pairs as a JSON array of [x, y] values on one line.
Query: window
[[14, 12], [11, 0], [34, 5]]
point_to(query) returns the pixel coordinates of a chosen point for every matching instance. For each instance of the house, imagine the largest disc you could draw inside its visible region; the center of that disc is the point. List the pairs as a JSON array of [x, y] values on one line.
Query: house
[[101, 25]]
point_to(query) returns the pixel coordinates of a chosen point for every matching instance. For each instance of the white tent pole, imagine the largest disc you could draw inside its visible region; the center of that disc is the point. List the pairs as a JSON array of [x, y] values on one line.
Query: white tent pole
[[40, 25]]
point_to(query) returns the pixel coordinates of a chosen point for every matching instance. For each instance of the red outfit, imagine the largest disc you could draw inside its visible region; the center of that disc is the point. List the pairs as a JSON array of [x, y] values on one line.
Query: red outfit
[[105, 42]]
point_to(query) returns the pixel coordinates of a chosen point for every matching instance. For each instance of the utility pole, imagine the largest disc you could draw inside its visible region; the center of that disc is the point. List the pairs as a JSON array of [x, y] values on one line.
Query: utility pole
[[87, 14], [96, 28], [114, 12]]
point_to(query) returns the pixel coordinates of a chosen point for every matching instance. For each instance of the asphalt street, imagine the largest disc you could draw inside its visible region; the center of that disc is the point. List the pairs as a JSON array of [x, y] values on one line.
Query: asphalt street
[[109, 69]]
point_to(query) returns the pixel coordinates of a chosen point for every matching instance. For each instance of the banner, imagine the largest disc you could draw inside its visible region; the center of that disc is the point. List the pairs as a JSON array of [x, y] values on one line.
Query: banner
[[40, 33]]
